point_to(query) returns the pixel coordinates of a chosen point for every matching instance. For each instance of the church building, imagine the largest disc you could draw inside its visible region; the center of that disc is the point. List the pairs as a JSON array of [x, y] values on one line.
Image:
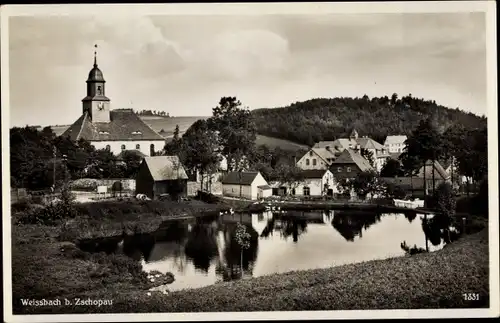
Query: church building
[[116, 130]]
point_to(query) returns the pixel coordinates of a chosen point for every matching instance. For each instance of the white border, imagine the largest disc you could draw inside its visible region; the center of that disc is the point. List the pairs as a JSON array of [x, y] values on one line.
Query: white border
[[260, 9]]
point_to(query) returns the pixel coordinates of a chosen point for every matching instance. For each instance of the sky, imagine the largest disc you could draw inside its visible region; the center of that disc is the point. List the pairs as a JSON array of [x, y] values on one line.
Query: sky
[[184, 64]]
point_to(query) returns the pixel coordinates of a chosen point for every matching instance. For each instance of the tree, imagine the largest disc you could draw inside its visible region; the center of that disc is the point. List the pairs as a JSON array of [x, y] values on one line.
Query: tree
[[289, 175], [425, 143], [368, 155], [391, 168], [445, 198], [242, 237], [132, 160], [173, 147], [200, 150], [363, 184], [236, 132]]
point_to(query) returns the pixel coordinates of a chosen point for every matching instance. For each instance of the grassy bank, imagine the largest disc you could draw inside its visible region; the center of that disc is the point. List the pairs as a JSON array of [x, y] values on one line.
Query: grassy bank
[[51, 269], [109, 218]]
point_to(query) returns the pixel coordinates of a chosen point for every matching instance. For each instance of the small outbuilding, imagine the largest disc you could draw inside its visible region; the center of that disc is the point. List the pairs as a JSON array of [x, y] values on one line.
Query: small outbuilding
[[247, 185], [160, 175]]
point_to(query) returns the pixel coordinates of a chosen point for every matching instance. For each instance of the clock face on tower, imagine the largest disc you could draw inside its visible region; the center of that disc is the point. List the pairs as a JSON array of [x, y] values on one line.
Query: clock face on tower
[[100, 105]]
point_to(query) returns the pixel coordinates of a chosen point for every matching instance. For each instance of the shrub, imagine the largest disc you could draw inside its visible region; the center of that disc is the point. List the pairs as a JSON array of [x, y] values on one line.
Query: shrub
[[53, 212]]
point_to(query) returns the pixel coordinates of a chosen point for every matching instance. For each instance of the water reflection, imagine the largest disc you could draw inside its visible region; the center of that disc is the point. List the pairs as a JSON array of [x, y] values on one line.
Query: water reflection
[[291, 224], [203, 251], [351, 224]]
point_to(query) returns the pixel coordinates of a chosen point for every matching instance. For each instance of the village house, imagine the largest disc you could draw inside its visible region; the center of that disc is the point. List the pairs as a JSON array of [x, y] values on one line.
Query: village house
[[318, 158], [315, 182], [247, 185], [159, 175], [330, 150], [395, 144], [440, 175], [115, 130], [349, 164]]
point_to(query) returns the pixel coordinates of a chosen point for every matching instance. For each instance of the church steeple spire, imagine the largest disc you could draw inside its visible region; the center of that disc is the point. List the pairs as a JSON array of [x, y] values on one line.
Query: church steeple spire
[[96, 104], [95, 55]]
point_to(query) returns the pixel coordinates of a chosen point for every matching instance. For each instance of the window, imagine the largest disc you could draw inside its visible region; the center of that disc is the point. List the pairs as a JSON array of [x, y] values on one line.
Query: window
[[339, 169], [307, 162], [136, 133], [293, 191], [348, 169], [310, 153], [307, 191], [123, 147], [137, 146], [152, 150], [108, 147], [99, 90], [314, 162]]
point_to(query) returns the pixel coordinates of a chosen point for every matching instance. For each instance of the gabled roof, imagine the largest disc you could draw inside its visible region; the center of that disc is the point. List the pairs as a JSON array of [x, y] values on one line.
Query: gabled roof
[[239, 178], [368, 143], [391, 140], [439, 173], [124, 125], [314, 173], [349, 156], [164, 168], [324, 153]]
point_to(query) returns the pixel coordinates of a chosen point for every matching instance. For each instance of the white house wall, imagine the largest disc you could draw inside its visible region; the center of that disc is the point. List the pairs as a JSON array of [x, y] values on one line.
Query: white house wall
[[258, 181], [116, 146], [233, 190]]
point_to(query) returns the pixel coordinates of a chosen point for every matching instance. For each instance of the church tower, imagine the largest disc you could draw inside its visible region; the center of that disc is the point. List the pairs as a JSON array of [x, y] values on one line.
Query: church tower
[[96, 104]]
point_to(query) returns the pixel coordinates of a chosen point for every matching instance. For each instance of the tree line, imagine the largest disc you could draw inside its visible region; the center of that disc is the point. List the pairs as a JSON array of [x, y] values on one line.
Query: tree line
[[153, 113], [328, 119], [40, 159]]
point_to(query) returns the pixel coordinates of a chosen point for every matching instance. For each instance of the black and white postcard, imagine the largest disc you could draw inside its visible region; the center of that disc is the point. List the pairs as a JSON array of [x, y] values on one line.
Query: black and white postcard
[[220, 161]]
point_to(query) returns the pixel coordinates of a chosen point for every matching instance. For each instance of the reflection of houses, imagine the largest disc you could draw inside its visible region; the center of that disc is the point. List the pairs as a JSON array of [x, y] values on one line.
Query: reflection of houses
[[115, 130], [349, 164], [315, 182], [395, 144], [248, 185], [160, 175]]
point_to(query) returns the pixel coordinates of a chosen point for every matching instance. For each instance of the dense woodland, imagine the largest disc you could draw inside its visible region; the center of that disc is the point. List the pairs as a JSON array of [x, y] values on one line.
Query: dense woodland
[[327, 119]]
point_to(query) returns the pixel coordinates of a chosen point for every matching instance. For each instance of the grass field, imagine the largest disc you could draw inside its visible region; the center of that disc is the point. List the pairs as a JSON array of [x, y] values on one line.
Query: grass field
[[168, 126], [46, 268], [276, 142]]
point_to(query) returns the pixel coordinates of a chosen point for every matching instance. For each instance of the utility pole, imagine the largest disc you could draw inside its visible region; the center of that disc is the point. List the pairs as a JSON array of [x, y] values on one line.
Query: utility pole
[[54, 171]]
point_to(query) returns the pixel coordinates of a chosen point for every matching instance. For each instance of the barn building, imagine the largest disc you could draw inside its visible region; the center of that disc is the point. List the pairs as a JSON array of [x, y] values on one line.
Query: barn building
[[160, 175], [247, 185]]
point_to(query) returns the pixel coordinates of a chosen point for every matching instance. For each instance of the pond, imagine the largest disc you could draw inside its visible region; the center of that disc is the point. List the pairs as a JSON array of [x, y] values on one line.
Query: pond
[[203, 251]]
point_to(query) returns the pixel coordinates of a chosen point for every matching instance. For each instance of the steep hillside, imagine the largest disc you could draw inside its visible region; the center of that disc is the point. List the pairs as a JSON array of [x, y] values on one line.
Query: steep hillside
[[326, 119]]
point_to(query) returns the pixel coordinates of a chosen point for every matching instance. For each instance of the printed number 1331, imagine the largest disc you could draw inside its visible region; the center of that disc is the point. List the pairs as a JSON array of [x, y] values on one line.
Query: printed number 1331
[[471, 296]]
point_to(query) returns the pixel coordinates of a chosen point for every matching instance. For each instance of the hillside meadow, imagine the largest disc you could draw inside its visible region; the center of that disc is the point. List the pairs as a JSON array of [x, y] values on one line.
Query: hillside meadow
[[168, 127]]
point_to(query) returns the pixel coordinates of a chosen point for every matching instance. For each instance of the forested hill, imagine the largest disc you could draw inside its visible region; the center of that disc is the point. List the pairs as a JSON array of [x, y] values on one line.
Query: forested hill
[[327, 119]]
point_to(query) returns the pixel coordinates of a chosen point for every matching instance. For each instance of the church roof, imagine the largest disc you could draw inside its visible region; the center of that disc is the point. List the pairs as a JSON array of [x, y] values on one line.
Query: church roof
[[95, 75], [124, 125]]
